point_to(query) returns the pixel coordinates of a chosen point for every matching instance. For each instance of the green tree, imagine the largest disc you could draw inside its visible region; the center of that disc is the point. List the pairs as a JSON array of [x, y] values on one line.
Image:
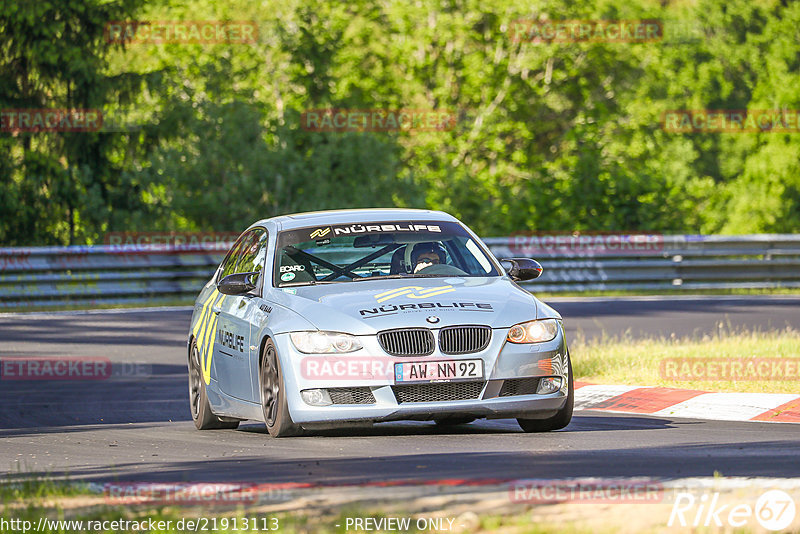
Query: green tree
[[63, 187]]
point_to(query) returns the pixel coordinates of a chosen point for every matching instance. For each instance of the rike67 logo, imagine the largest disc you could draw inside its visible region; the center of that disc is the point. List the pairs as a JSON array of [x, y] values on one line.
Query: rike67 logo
[[774, 510]]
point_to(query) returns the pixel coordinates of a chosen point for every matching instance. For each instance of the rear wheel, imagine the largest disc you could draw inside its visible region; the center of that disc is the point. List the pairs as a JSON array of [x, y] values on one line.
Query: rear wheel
[[203, 417], [560, 419], [273, 395]]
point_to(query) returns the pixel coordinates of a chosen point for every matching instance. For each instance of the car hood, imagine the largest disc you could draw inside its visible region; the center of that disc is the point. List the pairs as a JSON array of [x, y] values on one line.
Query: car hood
[[364, 308]]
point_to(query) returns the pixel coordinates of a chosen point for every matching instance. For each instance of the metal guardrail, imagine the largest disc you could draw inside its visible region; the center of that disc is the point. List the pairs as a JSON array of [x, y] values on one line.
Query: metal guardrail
[[102, 274], [640, 262], [91, 275]]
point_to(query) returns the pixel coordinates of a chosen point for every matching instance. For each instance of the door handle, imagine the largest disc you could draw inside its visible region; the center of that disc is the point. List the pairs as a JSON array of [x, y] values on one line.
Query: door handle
[[215, 310]]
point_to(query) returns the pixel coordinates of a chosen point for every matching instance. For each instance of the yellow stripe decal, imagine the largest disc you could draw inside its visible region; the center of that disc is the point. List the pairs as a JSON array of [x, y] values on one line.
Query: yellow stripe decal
[[434, 289], [413, 292], [202, 325], [386, 295], [200, 322], [431, 294], [201, 331], [210, 330], [210, 351]]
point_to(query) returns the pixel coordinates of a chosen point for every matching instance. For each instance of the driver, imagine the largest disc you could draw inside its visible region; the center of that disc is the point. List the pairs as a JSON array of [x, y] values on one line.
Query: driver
[[426, 254]]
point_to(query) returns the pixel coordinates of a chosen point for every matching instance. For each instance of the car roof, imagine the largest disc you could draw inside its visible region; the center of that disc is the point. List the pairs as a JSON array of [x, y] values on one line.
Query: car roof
[[354, 216]]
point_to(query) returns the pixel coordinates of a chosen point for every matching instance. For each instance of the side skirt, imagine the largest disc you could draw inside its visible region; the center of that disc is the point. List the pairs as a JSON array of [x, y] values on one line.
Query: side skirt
[[227, 406]]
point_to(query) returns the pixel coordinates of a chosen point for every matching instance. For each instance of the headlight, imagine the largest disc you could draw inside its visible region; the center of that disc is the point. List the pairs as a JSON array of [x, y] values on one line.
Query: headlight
[[533, 331], [319, 342]]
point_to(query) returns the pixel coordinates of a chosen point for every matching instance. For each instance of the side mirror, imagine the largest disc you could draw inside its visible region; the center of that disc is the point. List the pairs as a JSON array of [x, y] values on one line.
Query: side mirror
[[521, 269], [238, 284]]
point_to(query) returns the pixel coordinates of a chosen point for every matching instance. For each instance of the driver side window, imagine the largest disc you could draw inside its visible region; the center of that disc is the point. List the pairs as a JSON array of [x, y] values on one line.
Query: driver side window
[[253, 252], [229, 263], [247, 254]]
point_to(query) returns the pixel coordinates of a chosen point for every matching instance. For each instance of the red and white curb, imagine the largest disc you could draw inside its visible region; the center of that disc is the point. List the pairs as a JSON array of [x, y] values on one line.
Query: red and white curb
[[771, 407]]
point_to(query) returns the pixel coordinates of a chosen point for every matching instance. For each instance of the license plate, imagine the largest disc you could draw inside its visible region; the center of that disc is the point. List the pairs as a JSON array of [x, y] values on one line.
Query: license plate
[[440, 371]]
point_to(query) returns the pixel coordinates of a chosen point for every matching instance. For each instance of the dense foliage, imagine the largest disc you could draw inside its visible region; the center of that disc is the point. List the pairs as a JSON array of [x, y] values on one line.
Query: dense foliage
[[550, 135]]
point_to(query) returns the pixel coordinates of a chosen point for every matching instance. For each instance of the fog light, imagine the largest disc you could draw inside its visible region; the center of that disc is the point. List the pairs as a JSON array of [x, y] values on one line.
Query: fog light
[[316, 397], [549, 385]]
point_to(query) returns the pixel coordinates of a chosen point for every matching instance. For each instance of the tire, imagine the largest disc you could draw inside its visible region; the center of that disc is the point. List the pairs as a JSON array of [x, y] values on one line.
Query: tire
[[557, 421], [203, 417], [274, 405], [454, 420]]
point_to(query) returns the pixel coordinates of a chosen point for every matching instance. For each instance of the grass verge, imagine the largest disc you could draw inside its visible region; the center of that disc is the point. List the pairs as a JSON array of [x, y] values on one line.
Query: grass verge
[[663, 292], [46, 505], [658, 361], [323, 511]]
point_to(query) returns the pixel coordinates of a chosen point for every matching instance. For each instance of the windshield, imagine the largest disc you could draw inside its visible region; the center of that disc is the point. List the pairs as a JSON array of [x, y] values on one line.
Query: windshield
[[373, 251]]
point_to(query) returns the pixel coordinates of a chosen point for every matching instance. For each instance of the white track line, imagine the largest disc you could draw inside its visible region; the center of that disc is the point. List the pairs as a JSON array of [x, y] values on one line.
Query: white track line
[[727, 406]]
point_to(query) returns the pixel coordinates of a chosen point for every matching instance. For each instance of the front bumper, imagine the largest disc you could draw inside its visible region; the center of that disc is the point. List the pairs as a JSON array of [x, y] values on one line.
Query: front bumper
[[507, 389]]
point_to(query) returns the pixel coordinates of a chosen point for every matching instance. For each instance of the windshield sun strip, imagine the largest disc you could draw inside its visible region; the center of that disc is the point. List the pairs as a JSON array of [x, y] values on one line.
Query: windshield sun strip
[[361, 269]]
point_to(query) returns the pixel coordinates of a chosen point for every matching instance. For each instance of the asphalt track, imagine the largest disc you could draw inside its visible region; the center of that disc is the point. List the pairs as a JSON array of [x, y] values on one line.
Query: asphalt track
[[138, 428]]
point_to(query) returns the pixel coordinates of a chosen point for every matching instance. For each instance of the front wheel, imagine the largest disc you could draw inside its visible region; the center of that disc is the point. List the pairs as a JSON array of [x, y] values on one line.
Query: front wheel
[[273, 395], [203, 417], [560, 419]]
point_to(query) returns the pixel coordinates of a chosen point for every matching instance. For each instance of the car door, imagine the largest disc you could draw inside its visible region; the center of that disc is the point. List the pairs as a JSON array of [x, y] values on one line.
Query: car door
[[235, 312]]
